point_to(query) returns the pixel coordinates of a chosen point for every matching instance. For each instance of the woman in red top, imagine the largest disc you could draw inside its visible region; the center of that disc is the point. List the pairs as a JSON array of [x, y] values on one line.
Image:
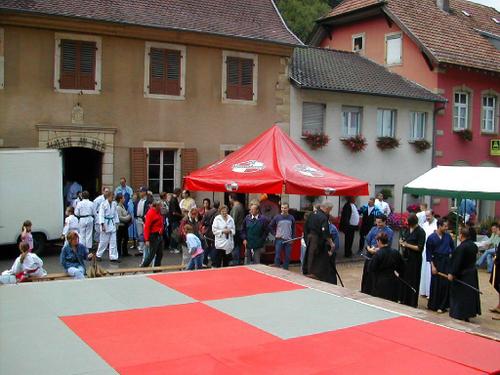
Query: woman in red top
[[153, 235]]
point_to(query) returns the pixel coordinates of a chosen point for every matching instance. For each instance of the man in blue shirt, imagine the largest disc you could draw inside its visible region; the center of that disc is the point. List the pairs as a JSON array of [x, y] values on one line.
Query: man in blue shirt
[[439, 247], [125, 190], [283, 229], [372, 248]]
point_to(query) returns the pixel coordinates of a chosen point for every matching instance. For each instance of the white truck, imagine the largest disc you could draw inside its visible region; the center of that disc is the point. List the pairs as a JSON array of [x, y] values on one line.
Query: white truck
[[31, 189]]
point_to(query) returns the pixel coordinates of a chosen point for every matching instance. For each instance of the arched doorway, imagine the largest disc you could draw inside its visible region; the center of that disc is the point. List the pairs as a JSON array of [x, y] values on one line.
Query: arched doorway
[[83, 165]]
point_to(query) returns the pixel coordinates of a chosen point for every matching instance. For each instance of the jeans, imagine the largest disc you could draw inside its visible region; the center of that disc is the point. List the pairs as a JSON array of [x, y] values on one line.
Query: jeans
[[488, 257], [278, 246], [236, 249], [155, 250], [196, 263], [76, 272]]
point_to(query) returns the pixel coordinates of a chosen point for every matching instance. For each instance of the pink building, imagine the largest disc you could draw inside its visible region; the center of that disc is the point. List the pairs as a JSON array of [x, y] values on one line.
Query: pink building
[[451, 47]]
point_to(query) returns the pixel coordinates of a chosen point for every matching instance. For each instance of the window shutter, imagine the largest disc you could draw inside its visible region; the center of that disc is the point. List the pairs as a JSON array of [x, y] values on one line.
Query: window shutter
[[173, 72], [246, 88], [87, 65], [157, 76], [69, 70], [232, 79], [313, 118], [77, 65], [239, 78], [189, 161], [138, 167]]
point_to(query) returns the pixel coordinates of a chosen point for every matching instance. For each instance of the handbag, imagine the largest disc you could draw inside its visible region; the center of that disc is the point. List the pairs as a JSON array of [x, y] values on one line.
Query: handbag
[[95, 270]]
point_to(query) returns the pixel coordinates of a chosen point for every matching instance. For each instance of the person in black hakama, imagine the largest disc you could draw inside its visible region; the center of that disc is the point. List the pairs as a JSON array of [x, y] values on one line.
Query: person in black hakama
[[464, 301], [319, 245], [439, 247], [382, 265], [413, 243], [495, 282]]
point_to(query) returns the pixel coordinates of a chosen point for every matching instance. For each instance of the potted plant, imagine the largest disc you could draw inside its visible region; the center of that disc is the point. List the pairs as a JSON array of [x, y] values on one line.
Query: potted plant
[[465, 134], [356, 143], [421, 145], [316, 140], [387, 143]]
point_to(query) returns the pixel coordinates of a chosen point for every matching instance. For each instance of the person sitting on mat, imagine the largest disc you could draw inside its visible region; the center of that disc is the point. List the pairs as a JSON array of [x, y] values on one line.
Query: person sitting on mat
[[25, 266]]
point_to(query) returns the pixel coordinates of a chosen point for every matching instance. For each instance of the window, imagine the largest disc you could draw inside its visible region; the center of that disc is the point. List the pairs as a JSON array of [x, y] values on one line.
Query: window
[[461, 111], [358, 43], [239, 75], [313, 118], [78, 63], [386, 122], [2, 62], [489, 109], [351, 121], [393, 49], [418, 123], [164, 74], [161, 170]]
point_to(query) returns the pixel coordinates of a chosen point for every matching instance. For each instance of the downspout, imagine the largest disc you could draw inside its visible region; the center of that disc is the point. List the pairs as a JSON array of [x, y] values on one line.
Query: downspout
[[434, 115]]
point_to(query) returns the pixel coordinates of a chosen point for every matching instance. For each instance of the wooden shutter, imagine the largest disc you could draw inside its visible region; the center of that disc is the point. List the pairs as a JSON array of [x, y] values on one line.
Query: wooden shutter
[[164, 72], [189, 161], [138, 167], [77, 65], [239, 78]]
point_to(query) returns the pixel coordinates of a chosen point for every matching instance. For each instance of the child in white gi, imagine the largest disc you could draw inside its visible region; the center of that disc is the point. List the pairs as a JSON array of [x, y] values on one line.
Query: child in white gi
[[108, 219], [85, 212], [25, 266], [70, 223]]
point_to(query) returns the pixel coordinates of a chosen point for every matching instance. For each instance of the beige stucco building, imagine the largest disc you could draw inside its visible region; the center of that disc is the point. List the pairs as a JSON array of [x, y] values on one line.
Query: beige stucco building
[[219, 82]]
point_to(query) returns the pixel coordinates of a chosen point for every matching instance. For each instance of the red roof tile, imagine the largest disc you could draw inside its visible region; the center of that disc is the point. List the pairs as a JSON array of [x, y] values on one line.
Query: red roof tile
[[451, 38], [256, 19]]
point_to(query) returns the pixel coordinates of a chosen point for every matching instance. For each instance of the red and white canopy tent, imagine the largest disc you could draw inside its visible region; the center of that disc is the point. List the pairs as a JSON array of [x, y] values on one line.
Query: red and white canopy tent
[[273, 163]]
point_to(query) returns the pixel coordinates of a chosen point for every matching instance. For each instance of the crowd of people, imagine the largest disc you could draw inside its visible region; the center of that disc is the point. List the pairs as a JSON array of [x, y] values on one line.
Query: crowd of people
[[215, 235]]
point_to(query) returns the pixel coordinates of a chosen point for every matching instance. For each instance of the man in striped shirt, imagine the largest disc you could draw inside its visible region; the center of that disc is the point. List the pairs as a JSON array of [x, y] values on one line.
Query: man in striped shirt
[[283, 228]]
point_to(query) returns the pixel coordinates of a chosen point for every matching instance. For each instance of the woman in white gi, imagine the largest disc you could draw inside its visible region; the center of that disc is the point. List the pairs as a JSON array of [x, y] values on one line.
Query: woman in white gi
[[25, 266], [85, 213], [108, 219]]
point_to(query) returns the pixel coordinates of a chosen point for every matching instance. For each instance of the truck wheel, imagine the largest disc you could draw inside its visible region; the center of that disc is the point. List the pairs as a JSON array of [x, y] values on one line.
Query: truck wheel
[[39, 241]]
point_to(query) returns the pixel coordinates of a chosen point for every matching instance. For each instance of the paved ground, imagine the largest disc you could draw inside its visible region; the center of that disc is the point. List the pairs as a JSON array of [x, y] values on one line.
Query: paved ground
[[350, 272]]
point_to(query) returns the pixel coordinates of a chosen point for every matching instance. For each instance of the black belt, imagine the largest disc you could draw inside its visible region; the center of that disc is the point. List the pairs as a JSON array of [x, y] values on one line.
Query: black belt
[[81, 217]]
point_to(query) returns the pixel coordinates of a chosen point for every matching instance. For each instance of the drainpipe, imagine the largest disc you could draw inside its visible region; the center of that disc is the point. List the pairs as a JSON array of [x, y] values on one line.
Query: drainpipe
[[434, 118]]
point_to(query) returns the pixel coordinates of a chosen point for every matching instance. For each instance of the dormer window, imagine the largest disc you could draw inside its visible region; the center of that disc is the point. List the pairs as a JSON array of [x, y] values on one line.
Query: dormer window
[[358, 42], [466, 14]]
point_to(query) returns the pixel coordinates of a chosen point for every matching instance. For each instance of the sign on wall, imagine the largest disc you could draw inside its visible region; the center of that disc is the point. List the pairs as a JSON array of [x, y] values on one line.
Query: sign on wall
[[495, 147]]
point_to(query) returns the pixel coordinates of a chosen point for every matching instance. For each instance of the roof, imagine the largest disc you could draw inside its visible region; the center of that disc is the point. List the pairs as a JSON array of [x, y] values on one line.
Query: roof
[[273, 163], [332, 70], [450, 38], [256, 19], [458, 182]]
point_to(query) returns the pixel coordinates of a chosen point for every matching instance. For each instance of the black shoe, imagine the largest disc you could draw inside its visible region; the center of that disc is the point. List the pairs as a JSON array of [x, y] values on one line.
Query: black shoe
[[138, 255], [115, 261], [126, 255], [99, 259]]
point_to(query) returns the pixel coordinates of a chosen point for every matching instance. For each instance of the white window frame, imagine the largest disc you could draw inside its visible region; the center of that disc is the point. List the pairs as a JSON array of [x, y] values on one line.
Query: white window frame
[[2, 58], [492, 109], [457, 107], [380, 126], [147, 64], [362, 36], [346, 127], [255, 71], [390, 36], [98, 61], [415, 118], [322, 130]]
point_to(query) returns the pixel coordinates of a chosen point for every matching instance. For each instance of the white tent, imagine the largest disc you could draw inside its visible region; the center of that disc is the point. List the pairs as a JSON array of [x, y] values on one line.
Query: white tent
[[458, 182]]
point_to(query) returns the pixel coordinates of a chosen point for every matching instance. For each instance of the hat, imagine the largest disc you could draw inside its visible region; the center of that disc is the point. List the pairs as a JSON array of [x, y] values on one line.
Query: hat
[[143, 189]]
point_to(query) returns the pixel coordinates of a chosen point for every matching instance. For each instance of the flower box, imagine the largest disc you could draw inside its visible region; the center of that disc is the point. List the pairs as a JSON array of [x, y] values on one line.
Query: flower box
[[355, 144], [465, 134], [387, 143], [421, 145], [316, 140]]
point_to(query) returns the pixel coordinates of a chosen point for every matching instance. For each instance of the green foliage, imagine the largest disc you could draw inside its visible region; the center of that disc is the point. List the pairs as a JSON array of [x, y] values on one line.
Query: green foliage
[[300, 15]]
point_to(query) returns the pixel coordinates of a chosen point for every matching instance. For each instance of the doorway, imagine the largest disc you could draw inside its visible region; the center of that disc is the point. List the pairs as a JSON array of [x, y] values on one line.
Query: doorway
[[83, 165]]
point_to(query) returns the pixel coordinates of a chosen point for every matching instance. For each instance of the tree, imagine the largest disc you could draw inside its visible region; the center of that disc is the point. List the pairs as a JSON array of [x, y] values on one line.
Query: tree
[[300, 15]]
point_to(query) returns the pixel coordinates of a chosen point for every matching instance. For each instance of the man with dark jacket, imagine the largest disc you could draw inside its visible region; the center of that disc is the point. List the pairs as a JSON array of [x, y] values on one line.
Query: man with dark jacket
[[369, 212], [254, 233], [349, 221]]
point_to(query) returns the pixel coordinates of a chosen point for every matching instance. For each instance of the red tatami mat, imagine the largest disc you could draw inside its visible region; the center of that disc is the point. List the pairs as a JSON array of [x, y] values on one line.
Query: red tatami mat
[[153, 337], [472, 351], [347, 351], [223, 283]]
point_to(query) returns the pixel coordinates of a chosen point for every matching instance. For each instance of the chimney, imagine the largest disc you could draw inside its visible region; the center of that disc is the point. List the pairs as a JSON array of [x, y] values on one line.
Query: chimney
[[444, 5]]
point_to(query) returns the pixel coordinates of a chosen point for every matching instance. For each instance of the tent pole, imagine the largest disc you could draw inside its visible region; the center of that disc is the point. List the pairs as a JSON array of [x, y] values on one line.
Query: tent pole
[[459, 203], [402, 197]]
